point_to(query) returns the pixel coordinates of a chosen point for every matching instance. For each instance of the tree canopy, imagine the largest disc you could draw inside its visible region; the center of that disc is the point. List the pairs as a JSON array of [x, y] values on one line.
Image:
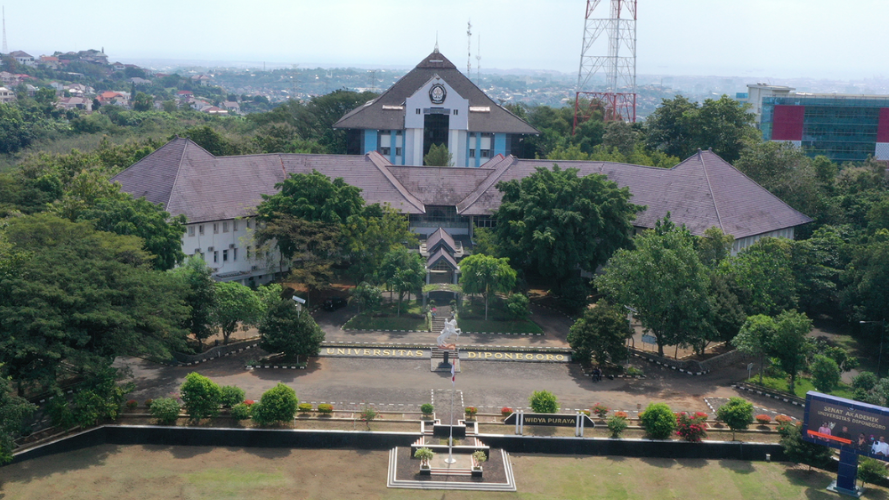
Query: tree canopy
[[287, 330], [600, 334], [554, 222], [486, 275]]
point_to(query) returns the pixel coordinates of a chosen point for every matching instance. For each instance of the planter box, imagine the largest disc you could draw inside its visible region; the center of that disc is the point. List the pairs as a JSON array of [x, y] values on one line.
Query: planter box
[[425, 471], [477, 472]]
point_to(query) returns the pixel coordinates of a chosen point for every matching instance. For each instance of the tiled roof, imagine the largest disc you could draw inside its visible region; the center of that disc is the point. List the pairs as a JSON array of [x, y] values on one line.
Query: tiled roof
[[701, 192], [440, 238], [373, 116], [441, 255]]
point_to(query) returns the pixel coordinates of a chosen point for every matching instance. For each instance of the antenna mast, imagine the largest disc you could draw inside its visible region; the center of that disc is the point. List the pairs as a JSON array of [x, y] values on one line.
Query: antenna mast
[[5, 48], [469, 48], [615, 56], [478, 60]]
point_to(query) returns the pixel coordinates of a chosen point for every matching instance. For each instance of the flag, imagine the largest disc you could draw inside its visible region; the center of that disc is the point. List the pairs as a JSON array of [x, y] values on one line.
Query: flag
[[454, 372]]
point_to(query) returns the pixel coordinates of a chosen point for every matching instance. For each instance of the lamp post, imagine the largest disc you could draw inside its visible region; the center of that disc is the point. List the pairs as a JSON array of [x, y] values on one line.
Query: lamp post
[[882, 323]]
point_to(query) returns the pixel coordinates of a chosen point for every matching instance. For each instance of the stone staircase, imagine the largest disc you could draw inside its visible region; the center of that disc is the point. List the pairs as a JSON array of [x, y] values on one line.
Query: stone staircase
[[441, 315]]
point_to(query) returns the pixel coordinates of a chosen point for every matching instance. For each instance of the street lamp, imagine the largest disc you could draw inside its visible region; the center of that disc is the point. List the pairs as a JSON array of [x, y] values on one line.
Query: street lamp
[[882, 323]]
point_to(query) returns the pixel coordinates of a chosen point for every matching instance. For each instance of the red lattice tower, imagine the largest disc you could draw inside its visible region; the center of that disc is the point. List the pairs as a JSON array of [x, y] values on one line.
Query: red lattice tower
[[609, 49]]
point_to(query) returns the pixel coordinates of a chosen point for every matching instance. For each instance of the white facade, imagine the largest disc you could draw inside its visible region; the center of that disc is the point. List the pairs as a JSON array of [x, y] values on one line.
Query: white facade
[[755, 94], [6, 95], [230, 249], [742, 243]]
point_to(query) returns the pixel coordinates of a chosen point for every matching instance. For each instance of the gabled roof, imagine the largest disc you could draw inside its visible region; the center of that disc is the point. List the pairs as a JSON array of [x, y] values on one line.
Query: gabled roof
[[701, 192], [441, 239], [442, 255], [372, 115]]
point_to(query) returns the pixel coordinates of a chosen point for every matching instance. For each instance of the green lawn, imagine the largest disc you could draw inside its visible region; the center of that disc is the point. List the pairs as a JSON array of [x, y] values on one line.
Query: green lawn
[[472, 318], [199, 472], [387, 318], [803, 385]]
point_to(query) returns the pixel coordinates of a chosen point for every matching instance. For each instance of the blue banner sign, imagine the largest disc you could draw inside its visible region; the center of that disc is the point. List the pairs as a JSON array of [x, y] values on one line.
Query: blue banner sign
[[847, 425]]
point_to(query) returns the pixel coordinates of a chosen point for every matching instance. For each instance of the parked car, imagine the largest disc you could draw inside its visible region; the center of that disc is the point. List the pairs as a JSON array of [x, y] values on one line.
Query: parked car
[[334, 304]]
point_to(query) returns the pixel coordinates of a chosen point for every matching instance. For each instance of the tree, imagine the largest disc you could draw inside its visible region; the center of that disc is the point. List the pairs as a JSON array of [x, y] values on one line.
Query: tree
[[554, 222], [143, 102], [438, 156], [658, 421], [277, 404], [765, 272], [679, 127], [737, 414], [543, 402], [825, 373], [367, 296], [789, 345], [621, 136], [665, 282], [16, 133], [201, 396], [290, 331], [402, 271], [714, 247], [601, 334], [200, 296], [755, 338], [728, 311], [236, 305], [14, 411], [371, 235], [518, 306], [214, 142], [486, 275], [871, 470], [866, 297], [80, 297], [804, 452]]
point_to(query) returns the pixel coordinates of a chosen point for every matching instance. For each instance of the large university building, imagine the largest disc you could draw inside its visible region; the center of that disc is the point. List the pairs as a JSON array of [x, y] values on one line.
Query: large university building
[[842, 127], [434, 104], [219, 195]]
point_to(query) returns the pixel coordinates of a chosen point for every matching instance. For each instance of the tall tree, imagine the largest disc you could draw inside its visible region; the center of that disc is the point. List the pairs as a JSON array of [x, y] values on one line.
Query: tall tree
[[403, 272], [438, 156], [554, 222], [600, 334], [287, 330], [714, 246], [486, 275], [195, 276], [236, 305], [80, 298], [371, 235], [765, 272], [755, 338], [789, 345], [664, 281]]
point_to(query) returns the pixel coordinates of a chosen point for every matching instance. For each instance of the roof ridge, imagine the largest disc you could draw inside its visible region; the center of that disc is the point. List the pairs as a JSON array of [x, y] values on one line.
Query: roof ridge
[[188, 142], [375, 158], [710, 188], [486, 184]]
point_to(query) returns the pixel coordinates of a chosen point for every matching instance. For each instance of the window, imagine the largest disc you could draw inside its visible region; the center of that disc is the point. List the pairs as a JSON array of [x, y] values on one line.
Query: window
[[397, 151], [419, 111], [385, 151], [234, 254], [215, 228], [472, 152], [248, 223], [191, 230], [234, 225], [485, 221], [201, 229], [456, 112], [486, 153], [225, 227], [225, 256], [216, 256]]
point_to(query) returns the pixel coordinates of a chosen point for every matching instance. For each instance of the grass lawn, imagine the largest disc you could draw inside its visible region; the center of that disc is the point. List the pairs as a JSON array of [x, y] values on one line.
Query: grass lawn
[[387, 318], [802, 386], [197, 472], [472, 318]]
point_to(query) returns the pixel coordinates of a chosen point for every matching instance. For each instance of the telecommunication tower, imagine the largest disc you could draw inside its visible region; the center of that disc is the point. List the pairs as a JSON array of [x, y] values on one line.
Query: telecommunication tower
[[469, 49], [609, 49]]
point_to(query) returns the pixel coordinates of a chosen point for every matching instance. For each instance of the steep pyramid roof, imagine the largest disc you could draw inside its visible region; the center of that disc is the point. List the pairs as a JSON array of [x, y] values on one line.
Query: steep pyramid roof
[[440, 239], [372, 114]]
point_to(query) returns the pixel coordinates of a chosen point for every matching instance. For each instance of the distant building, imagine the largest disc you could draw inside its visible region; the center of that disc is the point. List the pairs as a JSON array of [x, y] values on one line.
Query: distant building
[[434, 104], [842, 127], [22, 57], [6, 95], [81, 103]]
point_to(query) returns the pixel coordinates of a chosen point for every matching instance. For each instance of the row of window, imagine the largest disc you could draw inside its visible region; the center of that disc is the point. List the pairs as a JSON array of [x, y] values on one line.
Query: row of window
[[230, 252], [224, 225]]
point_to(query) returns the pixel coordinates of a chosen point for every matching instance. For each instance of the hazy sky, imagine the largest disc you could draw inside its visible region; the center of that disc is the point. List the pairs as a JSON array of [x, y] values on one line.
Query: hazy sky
[[769, 38]]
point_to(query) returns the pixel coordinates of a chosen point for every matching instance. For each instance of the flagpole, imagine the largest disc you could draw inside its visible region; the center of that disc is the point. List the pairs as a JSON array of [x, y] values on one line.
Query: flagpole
[[450, 459]]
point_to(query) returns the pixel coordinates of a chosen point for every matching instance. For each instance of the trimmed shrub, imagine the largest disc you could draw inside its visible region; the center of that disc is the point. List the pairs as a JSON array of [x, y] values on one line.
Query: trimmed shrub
[[701, 416], [427, 409], [231, 395], [240, 411], [600, 410], [783, 419], [506, 411], [658, 420], [248, 402], [736, 414], [325, 408], [617, 425], [277, 404], [200, 395], [470, 411], [148, 403], [425, 455], [543, 402], [368, 414], [763, 419], [690, 428], [621, 414], [304, 407], [165, 410], [871, 471], [865, 381], [132, 404], [480, 457]]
